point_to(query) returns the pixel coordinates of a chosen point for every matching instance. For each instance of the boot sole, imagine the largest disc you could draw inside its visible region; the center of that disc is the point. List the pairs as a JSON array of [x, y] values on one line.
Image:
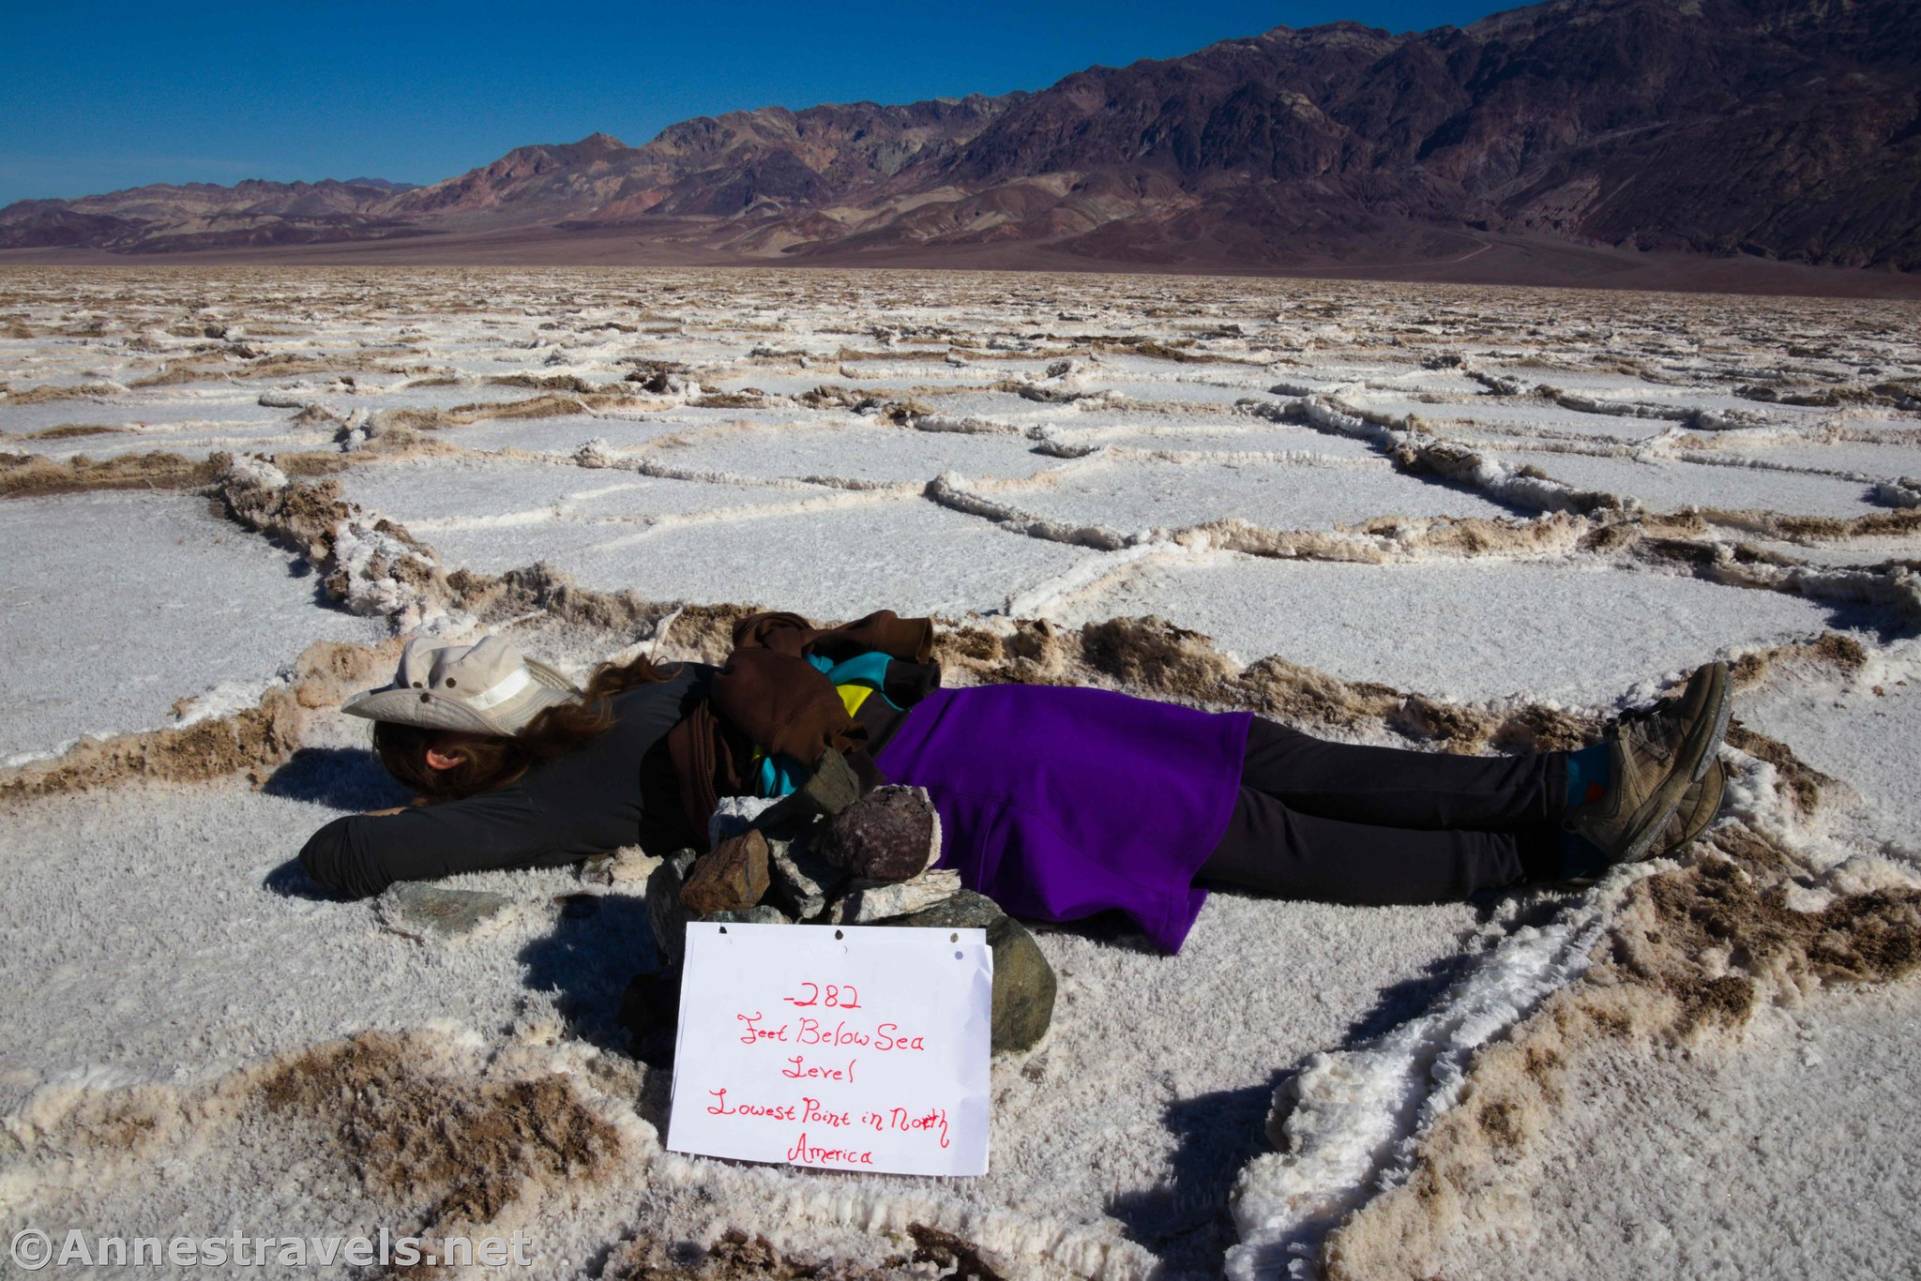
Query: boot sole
[[1718, 795], [1709, 728]]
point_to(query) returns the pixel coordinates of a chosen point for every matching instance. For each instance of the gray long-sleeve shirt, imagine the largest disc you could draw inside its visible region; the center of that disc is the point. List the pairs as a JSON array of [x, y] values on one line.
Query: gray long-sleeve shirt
[[618, 789]]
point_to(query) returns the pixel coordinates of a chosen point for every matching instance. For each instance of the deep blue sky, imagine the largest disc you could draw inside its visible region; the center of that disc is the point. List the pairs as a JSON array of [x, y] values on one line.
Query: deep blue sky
[[95, 97]]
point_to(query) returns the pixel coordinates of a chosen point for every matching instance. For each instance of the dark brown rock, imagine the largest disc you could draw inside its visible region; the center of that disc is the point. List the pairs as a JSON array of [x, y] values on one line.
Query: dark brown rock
[[730, 877], [890, 834]]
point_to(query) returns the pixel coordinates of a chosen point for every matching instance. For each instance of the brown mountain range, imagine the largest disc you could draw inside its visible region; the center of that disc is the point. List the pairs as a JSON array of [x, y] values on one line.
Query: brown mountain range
[[1579, 131]]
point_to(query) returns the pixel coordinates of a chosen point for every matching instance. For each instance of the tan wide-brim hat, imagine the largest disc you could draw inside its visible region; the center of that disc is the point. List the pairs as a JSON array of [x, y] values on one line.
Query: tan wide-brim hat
[[484, 688]]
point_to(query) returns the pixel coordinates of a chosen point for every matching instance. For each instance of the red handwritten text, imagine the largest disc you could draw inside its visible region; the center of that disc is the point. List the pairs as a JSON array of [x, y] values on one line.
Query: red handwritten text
[[777, 1111], [799, 1069], [839, 996], [755, 1033], [802, 1150], [885, 1037]]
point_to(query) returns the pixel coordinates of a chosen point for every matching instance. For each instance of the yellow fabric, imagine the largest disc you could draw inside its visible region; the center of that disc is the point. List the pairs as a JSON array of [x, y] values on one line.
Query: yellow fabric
[[852, 696]]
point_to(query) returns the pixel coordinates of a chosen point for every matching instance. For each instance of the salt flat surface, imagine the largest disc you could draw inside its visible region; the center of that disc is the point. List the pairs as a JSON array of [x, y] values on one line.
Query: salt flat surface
[[1884, 461], [912, 557], [1210, 434], [1141, 1107], [141, 412], [118, 604], [854, 451], [1845, 731], [1669, 486], [1463, 417], [1573, 633], [1148, 493], [476, 492], [1118, 1143], [1790, 1154], [562, 433]]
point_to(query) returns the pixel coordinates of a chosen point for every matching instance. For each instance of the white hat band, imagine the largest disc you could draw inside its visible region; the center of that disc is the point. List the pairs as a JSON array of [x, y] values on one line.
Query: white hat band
[[513, 683]]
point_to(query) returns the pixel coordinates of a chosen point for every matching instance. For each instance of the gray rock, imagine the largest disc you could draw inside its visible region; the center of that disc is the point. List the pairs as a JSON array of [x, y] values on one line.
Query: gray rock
[[868, 903], [628, 867], [428, 912], [758, 914], [803, 881], [665, 911], [1024, 983], [832, 787], [734, 815]]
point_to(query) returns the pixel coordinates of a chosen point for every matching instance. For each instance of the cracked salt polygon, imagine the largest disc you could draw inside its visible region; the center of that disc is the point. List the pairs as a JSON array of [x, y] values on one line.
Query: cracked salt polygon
[[373, 397], [858, 451], [196, 436], [1668, 486], [434, 494], [234, 413], [1215, 435], [118, 604], [1139, 494], [1469, 629], [557, 433], [1880, 460], [1851, 552], [1528, 416], [906, 554]]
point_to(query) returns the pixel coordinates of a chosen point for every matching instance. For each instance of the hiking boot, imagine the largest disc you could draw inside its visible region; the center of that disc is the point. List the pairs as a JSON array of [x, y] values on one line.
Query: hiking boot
[[1700, 804], [1657, 754]]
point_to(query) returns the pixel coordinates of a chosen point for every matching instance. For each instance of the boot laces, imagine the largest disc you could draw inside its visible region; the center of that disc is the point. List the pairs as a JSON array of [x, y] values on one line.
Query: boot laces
[[1650, 729]]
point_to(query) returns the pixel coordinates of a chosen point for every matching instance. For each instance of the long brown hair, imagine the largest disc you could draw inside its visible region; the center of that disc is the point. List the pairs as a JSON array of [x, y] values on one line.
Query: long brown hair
[[489, 760]]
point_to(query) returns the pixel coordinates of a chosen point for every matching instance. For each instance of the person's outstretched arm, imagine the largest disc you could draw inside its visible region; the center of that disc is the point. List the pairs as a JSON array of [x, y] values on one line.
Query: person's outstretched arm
[[362, 854]]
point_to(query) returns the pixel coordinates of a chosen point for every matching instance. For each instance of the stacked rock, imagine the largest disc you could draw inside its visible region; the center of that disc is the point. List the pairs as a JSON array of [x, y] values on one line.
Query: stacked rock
[[871, 862]]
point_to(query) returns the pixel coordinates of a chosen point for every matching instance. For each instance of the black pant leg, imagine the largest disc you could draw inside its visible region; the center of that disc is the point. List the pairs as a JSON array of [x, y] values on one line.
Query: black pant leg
[[1272, 848], [1395, 787]]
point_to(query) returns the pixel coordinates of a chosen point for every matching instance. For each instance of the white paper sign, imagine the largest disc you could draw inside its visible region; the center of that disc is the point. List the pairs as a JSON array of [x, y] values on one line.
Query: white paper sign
[[841, 1047]]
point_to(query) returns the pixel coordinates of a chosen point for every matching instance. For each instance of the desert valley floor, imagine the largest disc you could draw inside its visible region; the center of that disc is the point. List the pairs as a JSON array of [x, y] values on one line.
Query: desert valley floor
[[1461, 519]]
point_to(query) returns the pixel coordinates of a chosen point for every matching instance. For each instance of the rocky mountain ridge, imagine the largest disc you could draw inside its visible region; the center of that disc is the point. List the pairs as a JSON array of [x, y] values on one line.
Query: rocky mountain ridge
[[1781, 129]]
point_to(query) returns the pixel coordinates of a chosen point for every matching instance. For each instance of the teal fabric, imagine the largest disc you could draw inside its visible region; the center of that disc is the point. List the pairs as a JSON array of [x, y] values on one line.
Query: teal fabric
[[869, 669], [780, 775], [1589, 767]]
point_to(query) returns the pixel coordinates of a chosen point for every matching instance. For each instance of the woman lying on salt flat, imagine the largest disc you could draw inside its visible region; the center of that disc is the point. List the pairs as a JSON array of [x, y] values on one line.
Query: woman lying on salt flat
[[1056, 802]]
